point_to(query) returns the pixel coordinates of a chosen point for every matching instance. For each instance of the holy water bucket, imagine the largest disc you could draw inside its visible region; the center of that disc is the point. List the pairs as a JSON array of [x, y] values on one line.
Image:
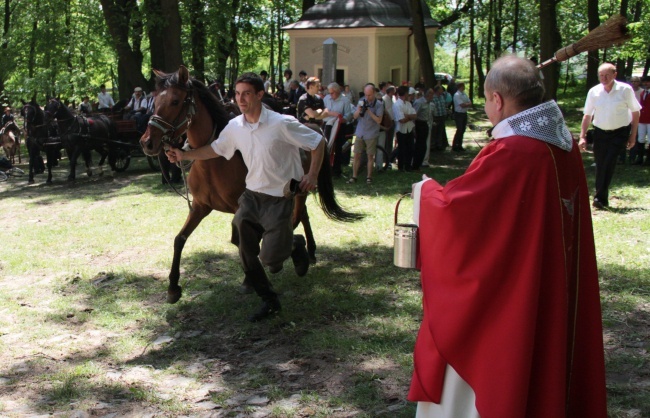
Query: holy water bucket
[[405, 242]]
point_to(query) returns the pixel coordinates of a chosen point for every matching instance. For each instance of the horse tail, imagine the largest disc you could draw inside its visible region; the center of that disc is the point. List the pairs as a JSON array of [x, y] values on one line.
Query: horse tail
[[327, 198]]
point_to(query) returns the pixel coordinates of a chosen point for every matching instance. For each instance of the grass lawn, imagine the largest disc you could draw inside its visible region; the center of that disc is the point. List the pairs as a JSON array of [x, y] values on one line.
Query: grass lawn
[[84, 325]]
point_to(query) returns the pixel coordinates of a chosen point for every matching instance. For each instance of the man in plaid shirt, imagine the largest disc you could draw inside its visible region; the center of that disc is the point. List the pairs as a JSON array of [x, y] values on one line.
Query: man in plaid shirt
[[439, 113]]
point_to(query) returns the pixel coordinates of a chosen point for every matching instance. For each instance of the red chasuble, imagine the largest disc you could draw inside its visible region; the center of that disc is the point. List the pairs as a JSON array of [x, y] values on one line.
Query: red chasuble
[[510, 285]]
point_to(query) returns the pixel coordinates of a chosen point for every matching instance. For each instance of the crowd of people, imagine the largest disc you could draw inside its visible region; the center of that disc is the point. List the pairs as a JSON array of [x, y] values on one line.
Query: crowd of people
[[411, 119]]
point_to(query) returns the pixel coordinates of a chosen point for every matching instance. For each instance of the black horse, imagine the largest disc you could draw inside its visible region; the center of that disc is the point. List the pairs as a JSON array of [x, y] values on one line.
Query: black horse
[[82, 134], [40, 136]]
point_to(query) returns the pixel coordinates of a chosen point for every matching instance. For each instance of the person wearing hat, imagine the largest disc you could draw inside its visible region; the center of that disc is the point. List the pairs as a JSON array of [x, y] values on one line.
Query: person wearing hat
[[7, 116], [137, 106]]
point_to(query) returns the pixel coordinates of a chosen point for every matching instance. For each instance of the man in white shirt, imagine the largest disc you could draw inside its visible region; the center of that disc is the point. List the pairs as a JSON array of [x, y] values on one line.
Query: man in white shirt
[[270, 144], [389, 101], [461, 104], [614, 111], [104, 100], [405, 116]]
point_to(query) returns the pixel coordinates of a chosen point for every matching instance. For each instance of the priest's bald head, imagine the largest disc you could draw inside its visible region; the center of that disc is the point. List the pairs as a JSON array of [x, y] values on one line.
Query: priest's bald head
[[513, 85]]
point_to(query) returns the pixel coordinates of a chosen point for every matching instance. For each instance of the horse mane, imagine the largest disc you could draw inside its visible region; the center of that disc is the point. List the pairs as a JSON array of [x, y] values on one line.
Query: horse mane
[[216, 110], [39, 117]]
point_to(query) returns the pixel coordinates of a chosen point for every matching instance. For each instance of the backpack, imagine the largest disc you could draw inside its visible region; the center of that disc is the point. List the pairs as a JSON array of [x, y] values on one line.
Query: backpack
[[387, 121]]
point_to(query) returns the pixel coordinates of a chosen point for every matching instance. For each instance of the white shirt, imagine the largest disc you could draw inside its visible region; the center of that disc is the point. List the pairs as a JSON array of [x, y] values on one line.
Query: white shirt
[[388, 105], [459, 98], [137, 104], [105, 101], [611, 110], [400, 110], [270, 148]]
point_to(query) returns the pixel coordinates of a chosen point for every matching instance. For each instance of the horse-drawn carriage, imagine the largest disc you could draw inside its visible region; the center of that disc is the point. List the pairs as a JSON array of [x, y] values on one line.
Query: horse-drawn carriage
[[57, 128], [126, 145]]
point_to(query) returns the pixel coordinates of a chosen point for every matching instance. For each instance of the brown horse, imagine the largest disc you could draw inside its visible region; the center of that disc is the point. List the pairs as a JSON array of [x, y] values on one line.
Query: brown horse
[[186, 106], [10, 140]]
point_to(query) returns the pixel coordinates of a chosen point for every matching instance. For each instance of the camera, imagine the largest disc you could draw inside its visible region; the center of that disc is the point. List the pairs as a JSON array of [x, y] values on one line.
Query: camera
[[363, 104]]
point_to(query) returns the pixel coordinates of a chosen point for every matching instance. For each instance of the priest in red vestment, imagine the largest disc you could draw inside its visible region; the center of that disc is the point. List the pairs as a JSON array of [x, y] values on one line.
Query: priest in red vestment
[[512, 321]]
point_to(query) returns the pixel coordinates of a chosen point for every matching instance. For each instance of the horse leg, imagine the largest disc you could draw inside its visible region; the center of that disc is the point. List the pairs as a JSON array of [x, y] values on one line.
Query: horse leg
[[50, 162], [300, 215], [88, 159], [103, 154], [72, 158], [194, 218], [31, 158]]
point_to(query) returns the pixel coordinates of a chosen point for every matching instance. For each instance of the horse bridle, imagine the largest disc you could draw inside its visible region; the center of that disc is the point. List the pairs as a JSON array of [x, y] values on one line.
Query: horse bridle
[[169, 129]]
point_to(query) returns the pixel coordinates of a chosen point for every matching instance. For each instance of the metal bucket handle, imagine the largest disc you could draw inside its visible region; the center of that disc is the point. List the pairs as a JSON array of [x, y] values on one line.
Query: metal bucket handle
[[397, 205]]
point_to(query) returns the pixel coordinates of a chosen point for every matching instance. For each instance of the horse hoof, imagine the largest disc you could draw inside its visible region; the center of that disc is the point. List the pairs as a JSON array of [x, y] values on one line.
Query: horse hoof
[[174, 295], [312, 259], [30, 181]]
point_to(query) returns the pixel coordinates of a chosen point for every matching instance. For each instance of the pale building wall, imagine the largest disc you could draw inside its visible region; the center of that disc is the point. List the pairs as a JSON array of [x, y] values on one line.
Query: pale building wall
[[366, 54], [392, 56]]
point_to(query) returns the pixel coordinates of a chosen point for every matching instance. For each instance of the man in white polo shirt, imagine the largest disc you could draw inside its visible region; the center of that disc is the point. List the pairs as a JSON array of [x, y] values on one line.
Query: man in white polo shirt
[[614, 111], [270, 145]]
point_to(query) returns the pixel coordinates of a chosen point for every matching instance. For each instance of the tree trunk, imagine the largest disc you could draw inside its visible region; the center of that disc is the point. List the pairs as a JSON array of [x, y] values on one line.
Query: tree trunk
[[515, 27], [198, 36], [118, 14], [306, 4], [472, 43], [5, 40], [459, 33], [550, 41], [488, 46], [281, 45], [478, 64], [421, 44], [498, 27], [620, 63], [70, 40], [227, 44], [272, 54], [592, 57], [164, 29], [629, 65]]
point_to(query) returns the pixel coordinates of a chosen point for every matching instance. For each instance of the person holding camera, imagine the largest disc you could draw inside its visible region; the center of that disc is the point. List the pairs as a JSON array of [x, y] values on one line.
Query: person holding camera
[[369, 113]]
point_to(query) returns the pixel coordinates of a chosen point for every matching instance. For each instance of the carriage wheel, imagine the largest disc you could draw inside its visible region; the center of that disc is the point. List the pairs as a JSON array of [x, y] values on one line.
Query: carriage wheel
[[154, 164], [120, 160], [15, 172]]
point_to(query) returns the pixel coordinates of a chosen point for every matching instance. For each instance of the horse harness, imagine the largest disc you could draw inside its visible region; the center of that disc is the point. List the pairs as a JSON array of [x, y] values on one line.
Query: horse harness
[[168, 129]]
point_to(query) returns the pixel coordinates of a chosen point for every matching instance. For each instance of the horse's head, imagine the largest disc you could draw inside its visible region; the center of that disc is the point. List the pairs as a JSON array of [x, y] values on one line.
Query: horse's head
[[54, 109], [174, 108], [32, 115]]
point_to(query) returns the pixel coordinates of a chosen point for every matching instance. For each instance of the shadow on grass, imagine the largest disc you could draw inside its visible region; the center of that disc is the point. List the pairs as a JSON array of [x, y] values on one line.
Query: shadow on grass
[[345, 335], [138, 179], [626, 321]]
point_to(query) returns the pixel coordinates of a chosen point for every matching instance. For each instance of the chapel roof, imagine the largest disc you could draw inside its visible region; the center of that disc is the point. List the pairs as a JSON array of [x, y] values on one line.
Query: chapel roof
[[339, 14]]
